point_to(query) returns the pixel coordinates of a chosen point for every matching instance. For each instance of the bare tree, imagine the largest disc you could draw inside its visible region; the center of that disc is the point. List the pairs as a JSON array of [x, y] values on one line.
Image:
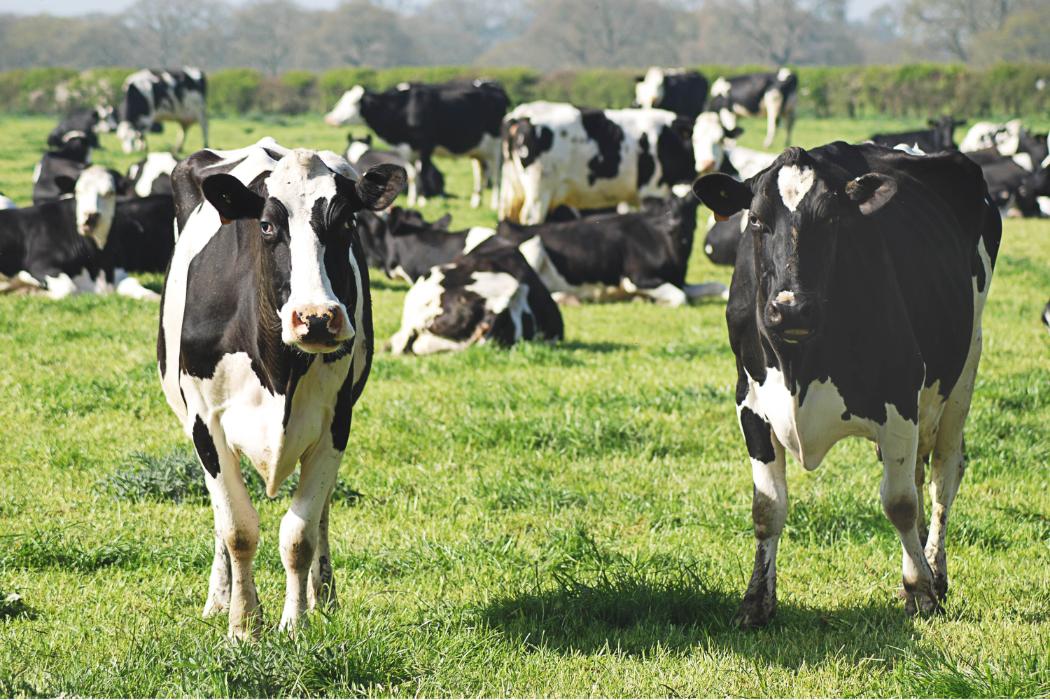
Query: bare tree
[[162, 29], [268, 34], [951, 24]]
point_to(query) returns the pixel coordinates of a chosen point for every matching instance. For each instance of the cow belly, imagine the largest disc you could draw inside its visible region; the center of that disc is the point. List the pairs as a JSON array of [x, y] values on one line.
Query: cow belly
[[807, 430]]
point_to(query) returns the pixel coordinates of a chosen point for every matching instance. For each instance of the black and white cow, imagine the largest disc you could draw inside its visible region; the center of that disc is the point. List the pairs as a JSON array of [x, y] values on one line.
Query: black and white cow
[[555, 153], [641, 254], [1013, 188], [674, 89], [413, 246], [150, 176], [264, 347], [752, 94], [374, 230], [1046, 316], [489, 295], [152, 96], [58, 247], [939, 137], [428, 182], [723, 238], [855, 310], [456, 119], [82, 123], [54, 175]]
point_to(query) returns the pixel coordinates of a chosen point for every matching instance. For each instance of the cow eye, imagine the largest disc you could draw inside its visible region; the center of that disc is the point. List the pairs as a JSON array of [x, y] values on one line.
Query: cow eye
[[267, 229], [754, 221], [348, 223]]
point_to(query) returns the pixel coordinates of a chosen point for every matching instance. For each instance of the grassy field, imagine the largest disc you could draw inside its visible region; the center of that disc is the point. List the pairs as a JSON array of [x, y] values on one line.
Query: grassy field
[[569, 520]]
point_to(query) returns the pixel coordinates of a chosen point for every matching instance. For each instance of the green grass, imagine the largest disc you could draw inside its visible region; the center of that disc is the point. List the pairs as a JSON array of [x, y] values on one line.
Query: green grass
[[570, 520]]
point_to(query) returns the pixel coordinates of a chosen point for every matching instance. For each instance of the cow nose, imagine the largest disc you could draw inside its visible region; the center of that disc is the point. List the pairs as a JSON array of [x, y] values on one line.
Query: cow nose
[[705, 166], [791, 315], [319, 325]]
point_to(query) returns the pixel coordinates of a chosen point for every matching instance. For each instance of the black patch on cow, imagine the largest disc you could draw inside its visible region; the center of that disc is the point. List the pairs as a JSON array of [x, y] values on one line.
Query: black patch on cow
[[756, 436], [503, 332], [528, 326], [524, 138], [205, 446], [646, 163], [136, 106], [675, 153], [344, 411], [608, 136]]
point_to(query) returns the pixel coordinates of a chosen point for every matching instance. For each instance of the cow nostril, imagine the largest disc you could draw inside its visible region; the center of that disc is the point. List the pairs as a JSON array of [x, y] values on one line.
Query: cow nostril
[[335, 322]]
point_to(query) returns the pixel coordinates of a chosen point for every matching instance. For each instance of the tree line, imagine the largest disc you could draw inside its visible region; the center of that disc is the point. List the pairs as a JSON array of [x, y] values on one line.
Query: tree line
[[275, 36]]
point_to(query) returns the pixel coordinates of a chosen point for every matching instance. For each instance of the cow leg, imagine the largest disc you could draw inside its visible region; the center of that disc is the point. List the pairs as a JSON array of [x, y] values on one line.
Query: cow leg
[[219, 581], [789, 123], [180, 140], [479, 182], [300, 528], [920, 480], [237, 525], [768, 512], [898, 442], [772, 104], [204, 127], [321, 591], [665, 294]]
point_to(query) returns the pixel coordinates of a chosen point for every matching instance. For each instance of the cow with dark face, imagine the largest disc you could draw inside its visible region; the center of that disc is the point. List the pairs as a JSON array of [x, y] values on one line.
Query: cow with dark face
[[153, 96], [265, 344], [939, 137], [752, 94], [855, 310], [85, 124], [674, 89], [62, 165], [489, 295]]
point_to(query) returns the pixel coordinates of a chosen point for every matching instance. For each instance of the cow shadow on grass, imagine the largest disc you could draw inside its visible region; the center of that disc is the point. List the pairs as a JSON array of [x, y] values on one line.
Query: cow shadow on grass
[[598, 347], [638, 619]]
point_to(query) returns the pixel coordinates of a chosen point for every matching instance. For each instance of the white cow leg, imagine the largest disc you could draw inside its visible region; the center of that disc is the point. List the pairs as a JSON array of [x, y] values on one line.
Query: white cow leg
[[665, 294], [237, 525], [479, 181], [219, 581], [204, 128], [535, 209], [898, 443], [300, 528], [321, 591], [768, 513]]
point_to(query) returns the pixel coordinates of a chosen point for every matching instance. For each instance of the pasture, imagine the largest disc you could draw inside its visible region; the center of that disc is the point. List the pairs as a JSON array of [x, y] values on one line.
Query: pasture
[[568, 520]]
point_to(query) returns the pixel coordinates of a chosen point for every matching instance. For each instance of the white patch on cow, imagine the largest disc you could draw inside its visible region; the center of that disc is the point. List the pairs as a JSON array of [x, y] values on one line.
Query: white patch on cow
[[21, 282], [132, 288], [749, 162], [298, 181], [422, 306], [682, 189], [794, 183], [156, 164], [785, 297], [783, 74], [1024, 160], [650, 90], [36, 172], [7, 203], [60, 286], [912, 150], [744, 216], [348, 109], [96, 203], [476, 236], [720, 88], [356, 150], [496, 288], [708, 142], [709, 249], [193, 73]]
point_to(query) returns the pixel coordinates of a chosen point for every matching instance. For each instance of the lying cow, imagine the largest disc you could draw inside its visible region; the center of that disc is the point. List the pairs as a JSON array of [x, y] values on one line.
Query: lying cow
[[57, 247], [643, 254], [61, 166], [674, 89], [142, 235], [723, 238], [374, 229], [1013, 188], [264, 347], [82, 123], [150, 176], [427, 182], [151, 97], [939, 137], [489, 295], [455, 119], [753, 94], [555, 153], [855, 309], [412, 248]]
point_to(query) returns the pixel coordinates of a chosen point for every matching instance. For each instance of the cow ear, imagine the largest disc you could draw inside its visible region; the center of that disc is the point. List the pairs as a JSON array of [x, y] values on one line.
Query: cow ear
[[65, 184], [378, 187], [722, 194], [871, 192], [231, 198]]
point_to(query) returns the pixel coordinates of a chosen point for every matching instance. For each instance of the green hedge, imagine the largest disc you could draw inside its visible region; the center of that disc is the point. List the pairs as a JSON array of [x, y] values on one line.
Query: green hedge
[[913, 90]]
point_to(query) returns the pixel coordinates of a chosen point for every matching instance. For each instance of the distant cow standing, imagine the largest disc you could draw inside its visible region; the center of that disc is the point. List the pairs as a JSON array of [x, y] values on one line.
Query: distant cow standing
[[152, 96], [455, 119], [772, 94], [556, 153], [855, 310], [674, 89], [489, 295], [265, 345]]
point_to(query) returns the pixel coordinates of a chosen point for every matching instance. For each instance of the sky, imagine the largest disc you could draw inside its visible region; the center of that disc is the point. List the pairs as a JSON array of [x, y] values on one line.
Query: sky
[[857, 8]]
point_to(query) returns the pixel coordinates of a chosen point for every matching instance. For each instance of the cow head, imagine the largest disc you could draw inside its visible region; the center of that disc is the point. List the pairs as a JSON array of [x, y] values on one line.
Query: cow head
[[710, 132], [95, 197], [797, 210], [348, 109], [944, 128], [132, 139], [75, 145], [649, 91], [454, 307], [300, 219]]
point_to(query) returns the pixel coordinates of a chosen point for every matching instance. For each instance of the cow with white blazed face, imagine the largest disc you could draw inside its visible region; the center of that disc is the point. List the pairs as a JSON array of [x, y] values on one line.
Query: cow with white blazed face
[[456, 119], [752, 94], [264, 347], [489, 296], [674, 89], [855, 310], [555, 153], [153, 96]]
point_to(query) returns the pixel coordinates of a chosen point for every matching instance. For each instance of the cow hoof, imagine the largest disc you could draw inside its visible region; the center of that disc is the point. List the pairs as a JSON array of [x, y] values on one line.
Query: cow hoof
[[215, 607], [756, 612], [940, 586], [921, 603]]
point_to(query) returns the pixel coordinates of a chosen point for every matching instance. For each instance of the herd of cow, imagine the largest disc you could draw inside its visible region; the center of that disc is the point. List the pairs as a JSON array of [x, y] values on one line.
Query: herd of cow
[[860, 275]]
